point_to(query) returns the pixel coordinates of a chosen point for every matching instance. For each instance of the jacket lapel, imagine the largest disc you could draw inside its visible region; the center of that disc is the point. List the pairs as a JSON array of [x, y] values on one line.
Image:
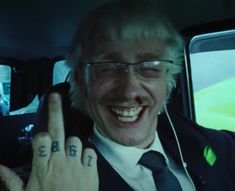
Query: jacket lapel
[[109, 178], [192, 143]]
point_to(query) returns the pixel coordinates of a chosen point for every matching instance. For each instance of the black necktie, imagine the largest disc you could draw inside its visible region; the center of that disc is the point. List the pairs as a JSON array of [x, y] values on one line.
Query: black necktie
[[163, 178]]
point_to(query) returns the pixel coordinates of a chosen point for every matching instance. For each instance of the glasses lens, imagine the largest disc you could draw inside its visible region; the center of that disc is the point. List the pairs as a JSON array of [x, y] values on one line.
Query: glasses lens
[[153, 69], [106, 71], [148, 70]]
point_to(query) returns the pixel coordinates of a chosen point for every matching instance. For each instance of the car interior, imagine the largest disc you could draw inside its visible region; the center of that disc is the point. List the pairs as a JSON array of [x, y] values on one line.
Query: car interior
[[34, 39]]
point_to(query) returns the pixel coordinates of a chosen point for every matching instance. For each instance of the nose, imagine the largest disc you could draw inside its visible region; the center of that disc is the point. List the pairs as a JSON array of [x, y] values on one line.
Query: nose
[[130, 86]]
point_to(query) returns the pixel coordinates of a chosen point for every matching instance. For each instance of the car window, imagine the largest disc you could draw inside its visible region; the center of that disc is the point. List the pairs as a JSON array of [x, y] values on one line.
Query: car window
[[5, 81], [212, 68], [60, 72]]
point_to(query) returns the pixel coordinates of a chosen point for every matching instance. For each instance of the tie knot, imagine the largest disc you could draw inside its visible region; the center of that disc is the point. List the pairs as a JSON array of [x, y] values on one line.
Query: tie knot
[[153, 160]]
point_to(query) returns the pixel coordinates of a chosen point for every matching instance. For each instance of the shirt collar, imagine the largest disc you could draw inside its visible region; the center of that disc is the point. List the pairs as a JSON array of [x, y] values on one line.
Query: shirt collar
[[119, 156]]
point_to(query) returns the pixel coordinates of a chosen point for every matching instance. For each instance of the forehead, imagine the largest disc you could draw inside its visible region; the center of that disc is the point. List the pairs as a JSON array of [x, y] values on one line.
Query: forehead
[[127, 49], [120, 35]]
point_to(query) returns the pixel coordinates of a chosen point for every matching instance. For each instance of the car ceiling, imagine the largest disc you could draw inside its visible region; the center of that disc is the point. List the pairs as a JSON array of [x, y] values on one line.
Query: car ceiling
[[32, 29]]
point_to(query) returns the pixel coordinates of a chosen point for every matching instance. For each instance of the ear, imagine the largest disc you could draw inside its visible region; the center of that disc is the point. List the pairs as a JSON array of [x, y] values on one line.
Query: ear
[[10, 180], [78, 76]]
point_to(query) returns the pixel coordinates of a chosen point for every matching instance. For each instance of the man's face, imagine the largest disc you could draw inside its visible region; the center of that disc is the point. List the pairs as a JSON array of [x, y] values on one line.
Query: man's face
[[125, 109]]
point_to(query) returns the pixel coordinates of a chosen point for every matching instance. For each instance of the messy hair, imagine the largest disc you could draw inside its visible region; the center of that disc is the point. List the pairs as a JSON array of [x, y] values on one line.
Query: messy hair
[[125, 19]]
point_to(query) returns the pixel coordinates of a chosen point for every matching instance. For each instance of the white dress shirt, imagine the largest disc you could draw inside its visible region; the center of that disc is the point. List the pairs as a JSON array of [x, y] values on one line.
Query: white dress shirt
[[125, 159]]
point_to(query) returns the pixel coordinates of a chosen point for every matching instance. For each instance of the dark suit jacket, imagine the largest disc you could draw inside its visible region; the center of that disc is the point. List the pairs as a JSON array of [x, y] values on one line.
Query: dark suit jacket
[[193, 140]]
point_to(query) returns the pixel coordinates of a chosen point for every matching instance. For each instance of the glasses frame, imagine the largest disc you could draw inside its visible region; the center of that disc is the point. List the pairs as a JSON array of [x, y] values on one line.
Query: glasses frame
[[137, 66]]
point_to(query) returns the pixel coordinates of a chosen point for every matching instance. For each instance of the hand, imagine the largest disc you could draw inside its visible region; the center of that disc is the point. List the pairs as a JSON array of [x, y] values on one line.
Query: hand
[[57, 166]]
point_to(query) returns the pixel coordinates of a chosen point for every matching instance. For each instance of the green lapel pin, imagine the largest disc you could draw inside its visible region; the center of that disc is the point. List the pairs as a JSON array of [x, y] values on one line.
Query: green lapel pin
[[209, 155]]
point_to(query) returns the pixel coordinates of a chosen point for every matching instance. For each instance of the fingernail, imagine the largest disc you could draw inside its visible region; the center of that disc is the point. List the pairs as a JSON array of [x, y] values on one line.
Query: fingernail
[[54, 97]]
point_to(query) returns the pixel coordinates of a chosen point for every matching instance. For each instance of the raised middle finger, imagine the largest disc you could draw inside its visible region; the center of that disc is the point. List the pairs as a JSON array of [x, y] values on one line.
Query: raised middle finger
[[56, 123]]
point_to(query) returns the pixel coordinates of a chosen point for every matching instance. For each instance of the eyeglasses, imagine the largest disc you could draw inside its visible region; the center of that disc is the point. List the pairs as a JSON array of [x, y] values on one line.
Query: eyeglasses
[[146, 70]]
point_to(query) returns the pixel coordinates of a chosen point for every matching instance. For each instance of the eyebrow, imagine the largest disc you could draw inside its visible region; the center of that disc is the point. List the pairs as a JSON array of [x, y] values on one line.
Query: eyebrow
[[148, 56], [108, 56], [117, 56]]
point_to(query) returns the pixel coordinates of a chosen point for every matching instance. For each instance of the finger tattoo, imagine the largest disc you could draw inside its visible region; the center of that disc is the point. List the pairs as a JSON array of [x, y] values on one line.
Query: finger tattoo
[[55, 146], [72, 150], [89, 161], [42, 150]]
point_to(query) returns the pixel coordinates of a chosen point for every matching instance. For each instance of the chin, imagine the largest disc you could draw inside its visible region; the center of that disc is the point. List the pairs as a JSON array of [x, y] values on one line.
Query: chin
[[132, 139]]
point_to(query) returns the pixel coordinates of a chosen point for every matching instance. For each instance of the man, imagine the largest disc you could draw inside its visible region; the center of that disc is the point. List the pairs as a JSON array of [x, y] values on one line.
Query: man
[[124, 59]]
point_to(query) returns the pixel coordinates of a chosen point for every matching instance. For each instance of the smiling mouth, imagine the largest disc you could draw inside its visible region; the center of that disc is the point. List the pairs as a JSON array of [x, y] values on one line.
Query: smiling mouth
[[126, 115]]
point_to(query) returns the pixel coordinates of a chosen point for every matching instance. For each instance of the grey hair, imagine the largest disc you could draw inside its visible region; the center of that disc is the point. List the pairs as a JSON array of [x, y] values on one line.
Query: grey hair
[[124, 19]]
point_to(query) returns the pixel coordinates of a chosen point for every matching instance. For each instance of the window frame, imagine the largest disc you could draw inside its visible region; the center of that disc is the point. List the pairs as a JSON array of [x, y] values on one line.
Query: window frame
[[186, 78]]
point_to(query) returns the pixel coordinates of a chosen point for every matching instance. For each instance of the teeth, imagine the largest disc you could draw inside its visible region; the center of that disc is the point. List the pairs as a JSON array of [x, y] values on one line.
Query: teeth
[[127, 119], [127, 112], [127, 115]]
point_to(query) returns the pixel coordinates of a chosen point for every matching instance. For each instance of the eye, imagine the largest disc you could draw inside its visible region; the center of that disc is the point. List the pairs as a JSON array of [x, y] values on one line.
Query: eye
[[104, 68], [104, 71], [151, 72]]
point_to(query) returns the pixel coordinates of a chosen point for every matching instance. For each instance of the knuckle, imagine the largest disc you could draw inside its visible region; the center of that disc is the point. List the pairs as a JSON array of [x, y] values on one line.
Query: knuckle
[[89, 158], [42, 137], [74, 140], [90, 151], [74, 146]]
